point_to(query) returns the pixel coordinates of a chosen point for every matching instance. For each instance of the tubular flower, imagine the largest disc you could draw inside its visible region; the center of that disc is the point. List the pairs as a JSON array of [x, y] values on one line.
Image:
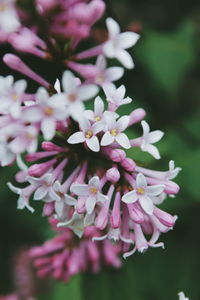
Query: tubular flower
[[71, 158]]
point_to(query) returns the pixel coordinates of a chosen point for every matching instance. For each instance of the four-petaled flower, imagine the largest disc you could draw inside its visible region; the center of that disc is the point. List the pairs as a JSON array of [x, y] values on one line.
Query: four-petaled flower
[[114, 130], [73, 95], [87, 135], [150, 138], [143, 194], [115, 96], [118, 42], [91, 191]]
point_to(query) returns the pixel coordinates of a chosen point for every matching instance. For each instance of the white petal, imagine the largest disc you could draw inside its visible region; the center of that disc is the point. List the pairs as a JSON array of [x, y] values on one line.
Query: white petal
[[123, 140], [86, 92], [155, 190], [93, 144], [101, 62], [84, 124], [98, 106], [68, 82], [89, 114], [125, 58], [147, 204], [107, 139], [155, 136], [80, 189], [48, 128], [59, 205], [145, 127], [113, 27], [94, 181], [90, 204], [20, 86], [89, 219], [101, 198], [127, 39], [114, 73], [141, 181], [76, 138], [122, 123], [153, 151], [76, 110], [14, 189], [109, 49], [70, 200], [130, 197], [40, 193], [97, 127]]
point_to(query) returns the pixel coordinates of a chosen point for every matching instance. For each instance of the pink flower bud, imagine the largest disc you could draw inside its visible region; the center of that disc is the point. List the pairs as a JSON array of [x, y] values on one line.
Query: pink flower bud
[[165, 218], [15, 63], [136, 116], [117, 155], [38, 170], [48, 209], [113, 175], [128, 164], [49, 146]]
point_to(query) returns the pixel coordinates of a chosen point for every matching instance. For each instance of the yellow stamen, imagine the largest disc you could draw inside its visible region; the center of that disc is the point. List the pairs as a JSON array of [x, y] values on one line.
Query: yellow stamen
[[93, 190], [100, 79], [97, 118], [14, 97], [140, 191], [88, 134], [113, 132], [48, 111]]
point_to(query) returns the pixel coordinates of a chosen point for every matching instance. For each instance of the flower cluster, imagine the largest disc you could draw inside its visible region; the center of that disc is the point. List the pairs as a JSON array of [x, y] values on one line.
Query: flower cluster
[[64, 256], [80, 171]]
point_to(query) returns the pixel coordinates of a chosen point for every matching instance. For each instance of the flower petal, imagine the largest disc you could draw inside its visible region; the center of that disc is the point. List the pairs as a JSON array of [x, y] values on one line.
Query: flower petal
[[122, 123], [40, 193], [155, 190], [48, 128], [94, 181], [107, 139], [125, 58], [76, 138], [127, 39], [123, 140], [141, 181], [90, 204], [130, 197], [147, 204], [113, 27], [93, 144], [80, 189]]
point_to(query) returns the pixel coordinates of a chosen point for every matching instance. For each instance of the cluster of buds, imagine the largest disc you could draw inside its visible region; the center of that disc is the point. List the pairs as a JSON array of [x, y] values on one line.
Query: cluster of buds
[[65, 256], [88, 185]]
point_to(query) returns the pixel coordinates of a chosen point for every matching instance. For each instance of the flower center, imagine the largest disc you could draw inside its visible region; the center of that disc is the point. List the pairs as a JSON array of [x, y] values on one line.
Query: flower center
[[93, 190], [97, 118], [14, 96], [72, 97], [140, 191], [48, 111], [3, 7], [100, 78], [113, 132], [88, 134]]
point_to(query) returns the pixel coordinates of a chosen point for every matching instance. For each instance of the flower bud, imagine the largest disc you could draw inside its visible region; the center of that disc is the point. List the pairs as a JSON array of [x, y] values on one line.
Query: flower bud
[[117, 155], [113, 175], [128, 164]]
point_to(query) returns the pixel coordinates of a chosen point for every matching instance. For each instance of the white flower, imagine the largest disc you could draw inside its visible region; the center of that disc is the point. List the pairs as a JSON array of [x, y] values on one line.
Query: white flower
[[11, 95], [114, 132], [116, 95], [98, 115], [118, 42], [59, 195], [9, 21], [6, 155], [182, 296], [106, 75], [25, 140], [143, 194], [87, 135], [76, 223], [43, 186], [91, 191], [24, 195], [173, 172], [74, 94], [47, 111], [150, 138]]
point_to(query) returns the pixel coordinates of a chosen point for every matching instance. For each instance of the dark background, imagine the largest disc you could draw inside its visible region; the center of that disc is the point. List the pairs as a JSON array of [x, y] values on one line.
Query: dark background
[[166, 83]]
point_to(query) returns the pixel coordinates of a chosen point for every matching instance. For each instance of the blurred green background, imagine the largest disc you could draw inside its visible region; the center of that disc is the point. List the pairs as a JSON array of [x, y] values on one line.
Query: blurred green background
[[166, 83]]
